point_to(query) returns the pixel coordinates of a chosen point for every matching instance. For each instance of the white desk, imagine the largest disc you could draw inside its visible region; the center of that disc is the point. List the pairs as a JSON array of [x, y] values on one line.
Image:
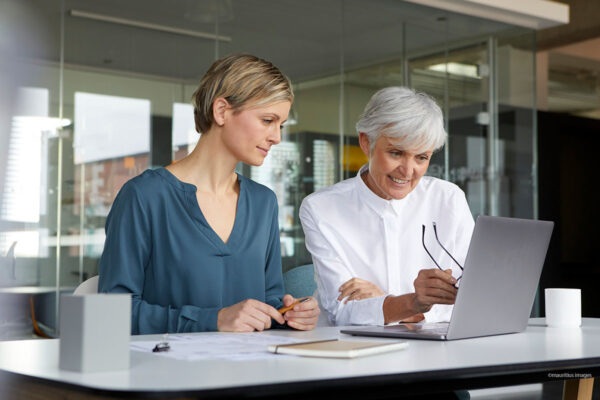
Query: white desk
[[538, 354]]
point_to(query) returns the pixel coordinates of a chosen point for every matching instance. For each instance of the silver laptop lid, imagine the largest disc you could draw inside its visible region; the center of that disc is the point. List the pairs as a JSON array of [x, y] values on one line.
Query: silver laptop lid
[[502, 271]]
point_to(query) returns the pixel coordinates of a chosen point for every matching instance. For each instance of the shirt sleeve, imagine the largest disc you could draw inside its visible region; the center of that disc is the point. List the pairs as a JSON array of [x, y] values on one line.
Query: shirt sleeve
[[331, 272], [122, 267]]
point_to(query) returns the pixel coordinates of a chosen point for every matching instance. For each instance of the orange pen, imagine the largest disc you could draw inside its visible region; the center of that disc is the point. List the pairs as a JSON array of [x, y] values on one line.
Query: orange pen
[[283, 310]]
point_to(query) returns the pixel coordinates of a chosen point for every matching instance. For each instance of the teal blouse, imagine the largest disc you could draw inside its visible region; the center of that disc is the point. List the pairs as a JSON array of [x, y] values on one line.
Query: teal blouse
[[160, 248]]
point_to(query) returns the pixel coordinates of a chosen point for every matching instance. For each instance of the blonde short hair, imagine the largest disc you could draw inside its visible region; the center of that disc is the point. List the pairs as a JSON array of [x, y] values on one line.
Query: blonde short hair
[[242, 80]]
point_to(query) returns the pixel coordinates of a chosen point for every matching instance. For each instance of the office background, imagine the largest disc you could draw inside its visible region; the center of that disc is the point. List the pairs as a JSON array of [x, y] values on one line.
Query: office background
[[94, 93]]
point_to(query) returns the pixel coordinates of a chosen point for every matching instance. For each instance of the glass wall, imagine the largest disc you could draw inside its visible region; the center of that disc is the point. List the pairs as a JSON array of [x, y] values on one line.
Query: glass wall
[[104, 93]]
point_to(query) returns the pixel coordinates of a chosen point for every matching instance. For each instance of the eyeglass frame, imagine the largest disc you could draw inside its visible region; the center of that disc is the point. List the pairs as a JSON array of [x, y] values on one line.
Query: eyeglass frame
[[443, 248]]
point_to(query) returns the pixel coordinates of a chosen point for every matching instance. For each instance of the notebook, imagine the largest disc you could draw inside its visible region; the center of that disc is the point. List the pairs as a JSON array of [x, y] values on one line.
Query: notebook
[[497, 288], [334, 348]]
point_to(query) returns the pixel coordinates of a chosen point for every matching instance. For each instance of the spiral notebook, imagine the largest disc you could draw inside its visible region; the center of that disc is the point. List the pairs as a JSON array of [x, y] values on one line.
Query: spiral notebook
[[334, 348]]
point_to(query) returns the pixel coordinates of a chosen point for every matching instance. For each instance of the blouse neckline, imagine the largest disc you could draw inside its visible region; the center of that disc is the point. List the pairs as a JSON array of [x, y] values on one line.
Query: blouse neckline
[[225, 248]]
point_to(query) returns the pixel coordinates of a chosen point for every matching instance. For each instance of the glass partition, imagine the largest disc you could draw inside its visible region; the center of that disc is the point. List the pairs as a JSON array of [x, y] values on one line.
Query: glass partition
[[459, 79], [108, 94], [31, 126]]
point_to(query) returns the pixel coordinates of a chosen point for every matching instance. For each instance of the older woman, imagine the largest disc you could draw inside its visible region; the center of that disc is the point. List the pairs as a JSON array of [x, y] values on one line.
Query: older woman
[[369, 236], [196, 244]]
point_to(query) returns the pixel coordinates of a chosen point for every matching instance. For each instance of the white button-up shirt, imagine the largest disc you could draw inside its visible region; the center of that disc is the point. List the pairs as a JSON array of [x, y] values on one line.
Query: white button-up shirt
[[353, 233]]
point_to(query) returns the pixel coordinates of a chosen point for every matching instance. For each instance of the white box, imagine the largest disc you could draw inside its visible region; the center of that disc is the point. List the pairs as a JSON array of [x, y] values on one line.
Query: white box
[[94, 332]]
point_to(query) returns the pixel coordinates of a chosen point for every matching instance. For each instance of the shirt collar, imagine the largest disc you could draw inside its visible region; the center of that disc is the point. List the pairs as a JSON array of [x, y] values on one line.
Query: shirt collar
[[380, 205]]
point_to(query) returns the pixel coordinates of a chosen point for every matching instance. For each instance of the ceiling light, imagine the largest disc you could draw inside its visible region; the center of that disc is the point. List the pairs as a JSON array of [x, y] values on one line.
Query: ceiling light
[[148, 25], [454, 68]]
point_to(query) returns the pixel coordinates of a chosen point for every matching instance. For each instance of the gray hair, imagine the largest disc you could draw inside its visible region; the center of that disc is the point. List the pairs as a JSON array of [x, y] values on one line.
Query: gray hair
[[402, 113]]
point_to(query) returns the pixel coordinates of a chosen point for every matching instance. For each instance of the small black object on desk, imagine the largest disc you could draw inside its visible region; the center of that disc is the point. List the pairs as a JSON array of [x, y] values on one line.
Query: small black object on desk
[[162, 346]]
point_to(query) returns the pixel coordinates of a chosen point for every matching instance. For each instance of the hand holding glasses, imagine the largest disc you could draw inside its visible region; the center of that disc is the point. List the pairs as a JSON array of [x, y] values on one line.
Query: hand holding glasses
[[443, 248]]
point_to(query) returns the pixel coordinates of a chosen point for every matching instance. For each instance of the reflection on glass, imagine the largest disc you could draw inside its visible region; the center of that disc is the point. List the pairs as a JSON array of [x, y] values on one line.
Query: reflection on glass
[[26, 244], [110, 134], [458, 80], [324, 166], [110, 127], [25, 188], [111, 145], [123, 86], [280, 173], [102, 181], [22, 193], [455, 68], [184, 135], [21, 198]]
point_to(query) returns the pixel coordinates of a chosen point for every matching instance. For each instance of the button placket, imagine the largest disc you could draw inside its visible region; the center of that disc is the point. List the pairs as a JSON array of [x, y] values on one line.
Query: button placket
[[386, 235], [394, 262]]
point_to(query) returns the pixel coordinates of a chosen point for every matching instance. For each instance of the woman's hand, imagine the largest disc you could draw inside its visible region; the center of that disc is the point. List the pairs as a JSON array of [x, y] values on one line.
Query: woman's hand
[[359, 289], [414, 319], [433, 286], [303, 316], [247, 316]]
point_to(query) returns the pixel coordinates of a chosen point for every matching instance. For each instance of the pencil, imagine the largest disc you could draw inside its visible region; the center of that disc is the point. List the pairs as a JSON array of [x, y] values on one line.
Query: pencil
[[283, 310]]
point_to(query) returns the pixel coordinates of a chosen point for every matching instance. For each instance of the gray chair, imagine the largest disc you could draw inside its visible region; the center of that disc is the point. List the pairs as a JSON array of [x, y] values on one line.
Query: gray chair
[[300, 281], [89, 286]]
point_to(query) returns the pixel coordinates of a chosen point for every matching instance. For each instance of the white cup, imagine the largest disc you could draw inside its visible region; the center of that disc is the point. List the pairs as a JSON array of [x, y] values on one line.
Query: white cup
[[563, 307]]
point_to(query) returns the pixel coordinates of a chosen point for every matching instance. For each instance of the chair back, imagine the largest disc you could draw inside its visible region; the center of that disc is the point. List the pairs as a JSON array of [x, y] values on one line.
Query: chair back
[[90, 286], [300, 281]]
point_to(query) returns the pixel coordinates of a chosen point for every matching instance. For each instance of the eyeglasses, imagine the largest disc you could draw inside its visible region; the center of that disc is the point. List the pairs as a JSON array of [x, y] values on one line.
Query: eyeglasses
[[443, 248]]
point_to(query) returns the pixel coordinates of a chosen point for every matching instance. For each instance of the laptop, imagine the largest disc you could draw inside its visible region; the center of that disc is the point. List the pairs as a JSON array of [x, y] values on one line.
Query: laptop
[[497, 288]]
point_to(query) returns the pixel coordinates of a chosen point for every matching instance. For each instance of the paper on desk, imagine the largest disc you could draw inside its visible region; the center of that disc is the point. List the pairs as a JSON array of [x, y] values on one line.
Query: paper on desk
[[224, 346]]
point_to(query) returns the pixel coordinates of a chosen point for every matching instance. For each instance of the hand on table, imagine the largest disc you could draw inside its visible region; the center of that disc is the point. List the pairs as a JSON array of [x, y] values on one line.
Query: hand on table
[[359, 289], [247, 316], [433, 286], [303, 316]]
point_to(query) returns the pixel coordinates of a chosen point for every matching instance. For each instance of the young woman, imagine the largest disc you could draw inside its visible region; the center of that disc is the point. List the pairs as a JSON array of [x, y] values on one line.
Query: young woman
[[196, 244]]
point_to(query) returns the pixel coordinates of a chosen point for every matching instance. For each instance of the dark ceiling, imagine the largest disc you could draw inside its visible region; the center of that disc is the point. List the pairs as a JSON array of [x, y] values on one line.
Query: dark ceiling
[[304, 38]]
